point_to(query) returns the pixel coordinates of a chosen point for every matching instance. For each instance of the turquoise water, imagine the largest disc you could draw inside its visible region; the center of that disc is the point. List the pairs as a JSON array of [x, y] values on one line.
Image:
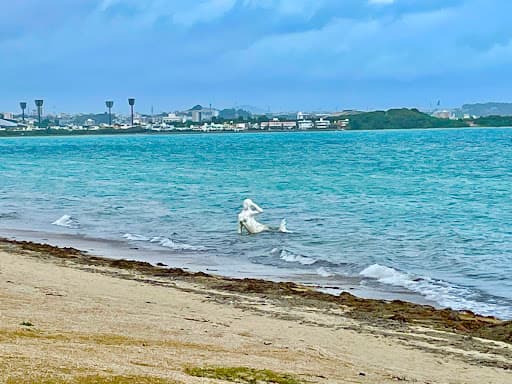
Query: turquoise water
[[428, 211]]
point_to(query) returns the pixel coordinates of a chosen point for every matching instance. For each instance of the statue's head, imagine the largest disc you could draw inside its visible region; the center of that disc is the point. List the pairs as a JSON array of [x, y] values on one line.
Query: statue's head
[[248, 203]]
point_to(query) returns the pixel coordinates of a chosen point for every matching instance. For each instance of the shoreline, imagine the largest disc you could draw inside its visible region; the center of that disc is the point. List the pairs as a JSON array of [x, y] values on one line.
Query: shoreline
[[119, 249], [464, 321], [68, 317], [77, 133]]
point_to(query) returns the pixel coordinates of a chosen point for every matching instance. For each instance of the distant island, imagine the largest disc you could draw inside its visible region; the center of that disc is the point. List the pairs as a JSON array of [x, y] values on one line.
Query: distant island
[[412, 118], [400, 119], [486, 109]]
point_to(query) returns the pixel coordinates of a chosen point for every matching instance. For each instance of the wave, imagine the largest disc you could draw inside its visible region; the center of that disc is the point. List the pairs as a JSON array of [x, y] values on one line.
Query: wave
[[387, 275], [291, 257], [323, 267], [322, 271], [165, 242], [438, 291], [67, 221], [129, 236]]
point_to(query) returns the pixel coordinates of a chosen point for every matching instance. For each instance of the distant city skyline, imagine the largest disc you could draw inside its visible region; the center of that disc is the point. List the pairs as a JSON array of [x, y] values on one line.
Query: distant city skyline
[[282, 55]]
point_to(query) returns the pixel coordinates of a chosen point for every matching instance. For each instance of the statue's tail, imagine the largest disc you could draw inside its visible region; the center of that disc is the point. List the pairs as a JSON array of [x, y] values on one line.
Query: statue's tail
[[282, 227]]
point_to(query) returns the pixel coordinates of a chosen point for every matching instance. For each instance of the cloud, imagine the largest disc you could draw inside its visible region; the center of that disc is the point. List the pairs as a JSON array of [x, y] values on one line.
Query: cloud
[[406, 46], [221, 47]]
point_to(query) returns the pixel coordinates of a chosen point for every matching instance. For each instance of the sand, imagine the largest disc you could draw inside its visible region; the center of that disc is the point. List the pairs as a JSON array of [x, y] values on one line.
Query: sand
[[85, 318]]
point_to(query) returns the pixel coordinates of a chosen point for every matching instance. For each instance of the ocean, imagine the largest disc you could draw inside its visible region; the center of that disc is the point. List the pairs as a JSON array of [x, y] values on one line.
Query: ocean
[[424, 215]]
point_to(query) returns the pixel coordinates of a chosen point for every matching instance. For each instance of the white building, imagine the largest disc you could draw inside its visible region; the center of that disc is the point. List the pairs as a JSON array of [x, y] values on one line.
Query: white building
[[444, 114], [303, 116], [173, 118], [89, 123], [276, 124], [7, 124], [342, 124], [322, 124], [213, 127], [305, 124], [203, 114]]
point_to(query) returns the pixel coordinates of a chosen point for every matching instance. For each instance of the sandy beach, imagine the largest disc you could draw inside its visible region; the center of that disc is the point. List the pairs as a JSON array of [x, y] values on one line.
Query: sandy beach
[[71, 318]]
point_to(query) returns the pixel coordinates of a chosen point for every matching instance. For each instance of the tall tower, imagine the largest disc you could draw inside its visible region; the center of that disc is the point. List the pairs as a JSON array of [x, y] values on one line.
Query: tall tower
[[131, 101], [109, 105], [23, 106], [39, 105]]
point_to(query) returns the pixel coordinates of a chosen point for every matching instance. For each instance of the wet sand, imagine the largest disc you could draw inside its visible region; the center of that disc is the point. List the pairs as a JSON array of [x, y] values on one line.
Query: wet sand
[[65, 315]]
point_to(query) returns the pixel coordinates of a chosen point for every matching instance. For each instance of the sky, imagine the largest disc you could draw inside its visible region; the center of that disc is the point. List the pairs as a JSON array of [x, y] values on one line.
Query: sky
[[278, 55]]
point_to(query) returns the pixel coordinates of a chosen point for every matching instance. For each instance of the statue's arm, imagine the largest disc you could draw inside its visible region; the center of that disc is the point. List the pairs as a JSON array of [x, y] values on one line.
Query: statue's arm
[[256, 207]]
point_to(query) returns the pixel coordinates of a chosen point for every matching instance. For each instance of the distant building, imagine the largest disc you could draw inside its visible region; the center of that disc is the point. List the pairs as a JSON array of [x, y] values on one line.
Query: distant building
[[5, 124], [174, 118], [305, 124], [89, 123], [342, 124], [444, 114], [303, 116], [276, 124], [322, 124], [213, 127], [200, 114], [7, 115]]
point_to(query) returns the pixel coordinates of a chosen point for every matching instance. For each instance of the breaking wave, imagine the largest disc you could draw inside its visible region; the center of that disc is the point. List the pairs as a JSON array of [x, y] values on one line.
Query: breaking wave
[[164, 242], [440, 292], [324, 272], [67, 221], [292, 257]]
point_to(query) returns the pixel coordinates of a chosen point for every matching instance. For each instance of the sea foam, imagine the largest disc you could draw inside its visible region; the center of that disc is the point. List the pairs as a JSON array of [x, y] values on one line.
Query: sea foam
[[387, 275], [129, 236], [322, 271], [67, 221], [438, 291], [291, 257], [164, 242]]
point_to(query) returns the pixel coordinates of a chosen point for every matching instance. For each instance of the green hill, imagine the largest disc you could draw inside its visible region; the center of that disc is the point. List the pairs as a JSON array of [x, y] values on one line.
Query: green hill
[[487, 109], [494, 121], [400, 119]]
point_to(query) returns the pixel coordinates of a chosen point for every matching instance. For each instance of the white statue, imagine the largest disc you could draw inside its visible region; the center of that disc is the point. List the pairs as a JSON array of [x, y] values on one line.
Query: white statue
[[247, 221]]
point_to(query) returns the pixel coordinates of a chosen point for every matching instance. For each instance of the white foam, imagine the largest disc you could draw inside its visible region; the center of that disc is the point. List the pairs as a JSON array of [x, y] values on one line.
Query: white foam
[[164, 242], [67, 221], [324, 272], [129, 236], [386, 275], [440, 292], [291, 257], [168, 243]]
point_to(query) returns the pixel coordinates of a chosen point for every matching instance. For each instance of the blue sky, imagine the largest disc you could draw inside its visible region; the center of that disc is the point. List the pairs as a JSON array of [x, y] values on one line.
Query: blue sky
[[277, 54]]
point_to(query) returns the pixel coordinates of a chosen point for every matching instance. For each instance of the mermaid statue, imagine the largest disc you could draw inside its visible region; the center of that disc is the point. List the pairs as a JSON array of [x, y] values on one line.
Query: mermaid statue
[[247, 220]]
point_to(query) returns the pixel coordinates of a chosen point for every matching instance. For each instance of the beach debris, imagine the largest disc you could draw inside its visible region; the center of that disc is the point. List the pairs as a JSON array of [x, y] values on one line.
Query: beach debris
[[27, 324]]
